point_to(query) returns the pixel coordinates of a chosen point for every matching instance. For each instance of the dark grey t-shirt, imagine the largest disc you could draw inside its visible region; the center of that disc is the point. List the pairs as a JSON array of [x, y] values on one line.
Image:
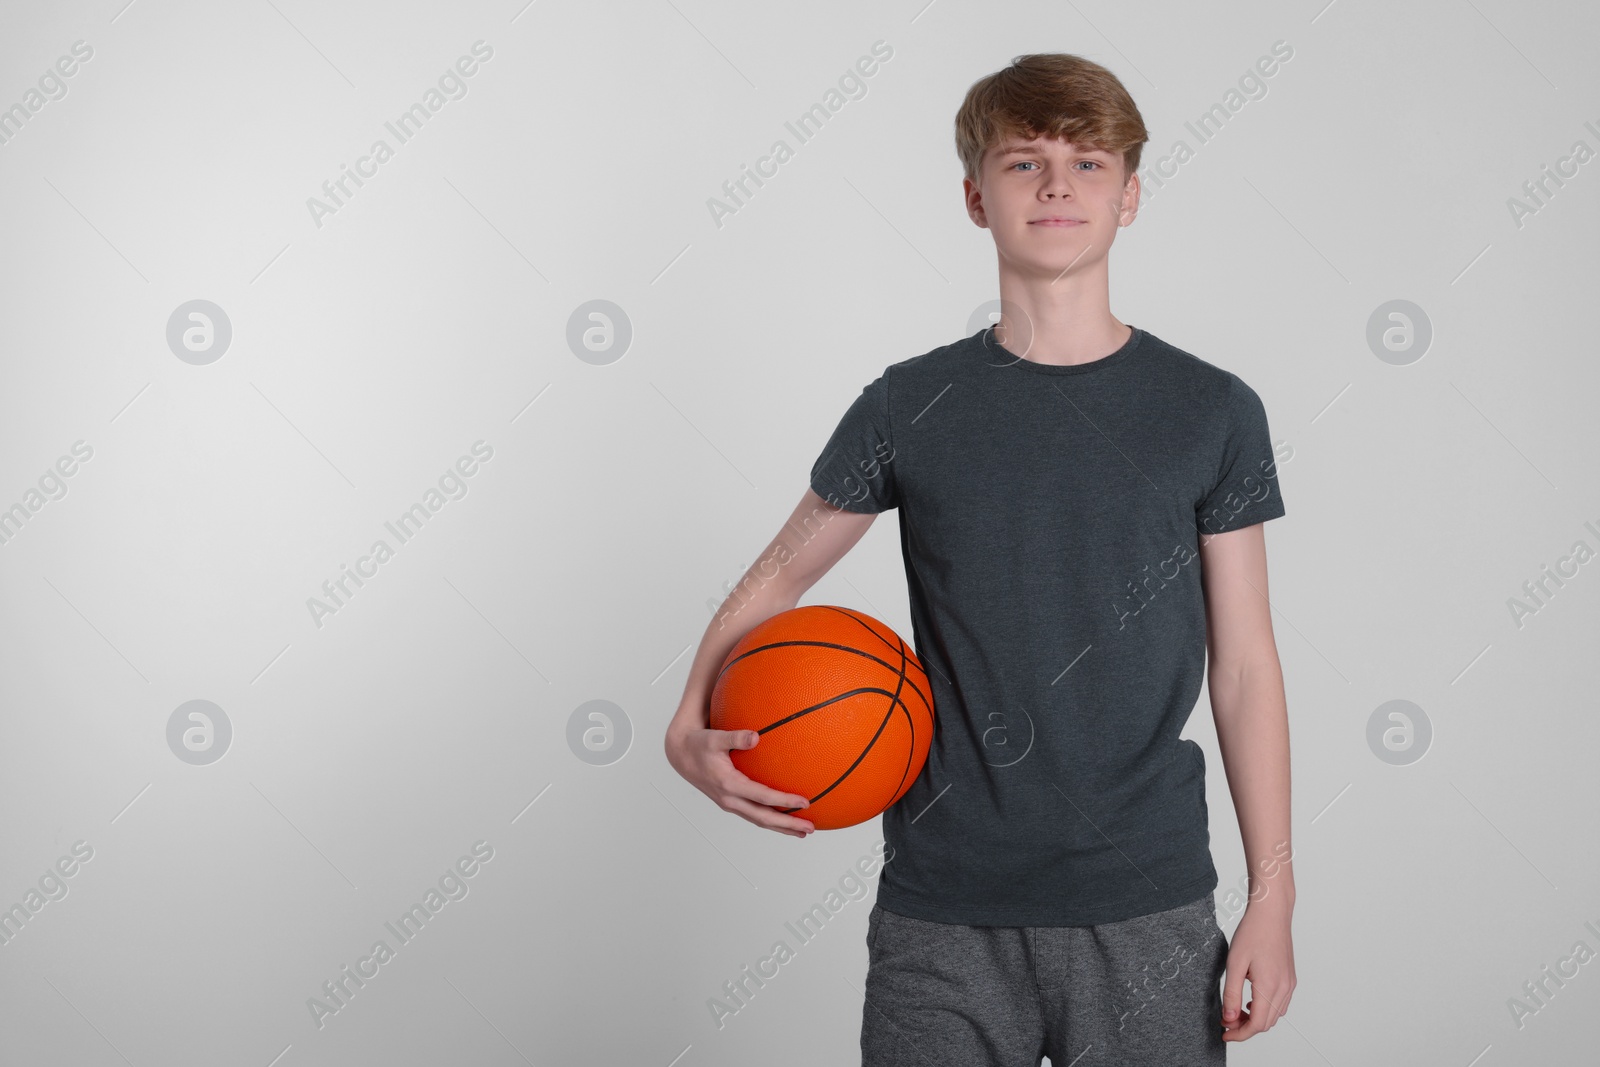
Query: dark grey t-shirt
[[1050, 519]]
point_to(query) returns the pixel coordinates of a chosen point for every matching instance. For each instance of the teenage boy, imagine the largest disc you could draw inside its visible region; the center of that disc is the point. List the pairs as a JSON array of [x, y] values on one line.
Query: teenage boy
[[1080, 523]]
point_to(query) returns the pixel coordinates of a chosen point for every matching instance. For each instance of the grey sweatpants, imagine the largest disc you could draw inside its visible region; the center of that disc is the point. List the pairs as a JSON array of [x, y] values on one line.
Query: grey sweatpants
[[1144, 992]]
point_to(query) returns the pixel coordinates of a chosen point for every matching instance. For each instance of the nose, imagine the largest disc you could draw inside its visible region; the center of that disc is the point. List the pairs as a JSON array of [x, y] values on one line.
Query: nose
[[1058, 184]]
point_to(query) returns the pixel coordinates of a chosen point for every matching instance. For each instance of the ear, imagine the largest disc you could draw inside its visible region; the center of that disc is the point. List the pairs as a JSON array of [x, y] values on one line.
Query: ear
[[1132, 189], [973, 196]]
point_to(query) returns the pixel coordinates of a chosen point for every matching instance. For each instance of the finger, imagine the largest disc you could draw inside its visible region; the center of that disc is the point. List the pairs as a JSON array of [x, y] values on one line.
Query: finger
[[1234, 1031], [769, 819], [750, 789], [735, 738], [742, 785], [746, 786], [1233, 988], [1257, 1021], [752, 813]]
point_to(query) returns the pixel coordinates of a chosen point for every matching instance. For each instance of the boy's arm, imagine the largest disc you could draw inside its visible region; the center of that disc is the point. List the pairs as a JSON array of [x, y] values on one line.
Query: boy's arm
[[815, 537], [1247, 703], [1251, 714]]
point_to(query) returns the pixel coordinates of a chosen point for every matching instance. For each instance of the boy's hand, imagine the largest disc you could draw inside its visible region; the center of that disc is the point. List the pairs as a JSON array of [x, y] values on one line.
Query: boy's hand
[[1261, 950], [701, 756]]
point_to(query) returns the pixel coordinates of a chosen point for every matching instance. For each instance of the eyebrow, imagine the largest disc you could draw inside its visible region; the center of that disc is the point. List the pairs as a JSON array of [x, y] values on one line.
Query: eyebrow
[[1025, 149]]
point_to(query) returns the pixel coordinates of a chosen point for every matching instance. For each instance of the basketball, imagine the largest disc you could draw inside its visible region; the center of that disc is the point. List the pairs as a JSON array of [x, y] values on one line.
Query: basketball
[[842, 706]]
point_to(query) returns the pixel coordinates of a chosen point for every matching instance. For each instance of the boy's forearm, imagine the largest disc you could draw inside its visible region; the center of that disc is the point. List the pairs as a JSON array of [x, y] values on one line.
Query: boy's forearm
[[752, 602], [1252, 720], [814, 537]]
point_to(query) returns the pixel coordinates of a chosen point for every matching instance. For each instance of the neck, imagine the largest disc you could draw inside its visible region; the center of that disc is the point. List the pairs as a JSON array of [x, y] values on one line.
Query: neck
[[1061, 320]]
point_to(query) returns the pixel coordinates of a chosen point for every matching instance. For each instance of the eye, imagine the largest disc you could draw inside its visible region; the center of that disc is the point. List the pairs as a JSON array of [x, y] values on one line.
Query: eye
[[1024, 163], [1092, 163]]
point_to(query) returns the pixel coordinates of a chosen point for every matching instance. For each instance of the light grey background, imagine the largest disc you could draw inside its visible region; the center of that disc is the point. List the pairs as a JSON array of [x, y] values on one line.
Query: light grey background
[[433, 311]]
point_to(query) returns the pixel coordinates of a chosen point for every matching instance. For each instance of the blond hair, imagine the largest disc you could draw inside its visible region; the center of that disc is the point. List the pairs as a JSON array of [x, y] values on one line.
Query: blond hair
[[1050, 94]]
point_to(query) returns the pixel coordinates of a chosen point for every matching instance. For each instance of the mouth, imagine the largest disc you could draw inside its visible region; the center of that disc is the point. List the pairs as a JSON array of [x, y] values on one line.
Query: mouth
[[1056, 220]]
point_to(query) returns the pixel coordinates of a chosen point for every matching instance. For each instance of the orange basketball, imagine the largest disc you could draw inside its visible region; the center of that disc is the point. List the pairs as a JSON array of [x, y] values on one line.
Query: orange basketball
[[842, 705]]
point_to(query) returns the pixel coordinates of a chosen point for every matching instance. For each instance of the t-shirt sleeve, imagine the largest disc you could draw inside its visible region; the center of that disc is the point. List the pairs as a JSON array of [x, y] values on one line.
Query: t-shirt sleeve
[[856, 468], [1247, 489]]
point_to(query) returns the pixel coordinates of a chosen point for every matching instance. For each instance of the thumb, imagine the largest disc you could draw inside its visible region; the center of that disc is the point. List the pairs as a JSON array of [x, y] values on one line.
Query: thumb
[[743, 738], [1233, 991]]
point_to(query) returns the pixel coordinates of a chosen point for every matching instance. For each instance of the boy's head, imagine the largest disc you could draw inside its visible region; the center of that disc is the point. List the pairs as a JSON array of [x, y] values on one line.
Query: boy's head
[[1051, 147], [1049, 95]]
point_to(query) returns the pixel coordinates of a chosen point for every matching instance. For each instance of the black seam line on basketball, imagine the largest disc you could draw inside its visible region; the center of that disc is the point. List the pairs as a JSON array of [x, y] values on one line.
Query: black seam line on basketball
[[909, 724], [857, 620], [898, 647], [894, 702], [926, 706], [825, 703], [828, 644]]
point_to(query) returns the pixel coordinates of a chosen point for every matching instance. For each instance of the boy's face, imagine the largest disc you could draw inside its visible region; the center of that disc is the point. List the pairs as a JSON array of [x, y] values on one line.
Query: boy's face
[[1052, 206]]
